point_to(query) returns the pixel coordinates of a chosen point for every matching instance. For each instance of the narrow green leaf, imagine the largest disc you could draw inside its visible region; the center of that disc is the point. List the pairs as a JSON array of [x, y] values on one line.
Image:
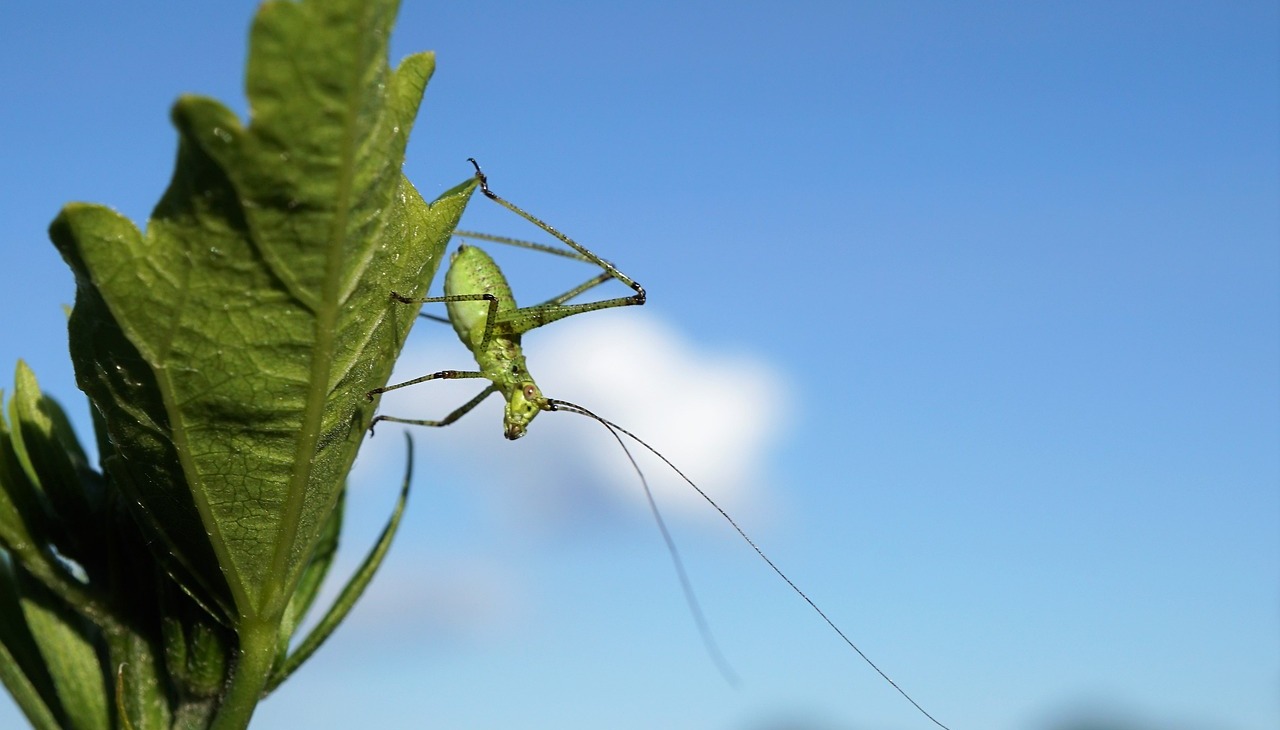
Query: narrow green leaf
[[50, 453], [22, 511], [197, 649], [141, 694], [65, 643], [24, 693], [354, 588], [45, 426], [21, 667], [16, 409], [26, 525]]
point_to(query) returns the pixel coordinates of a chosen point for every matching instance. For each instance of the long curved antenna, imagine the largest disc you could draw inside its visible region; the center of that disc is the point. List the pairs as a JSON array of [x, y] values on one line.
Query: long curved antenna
[[615, 429], [686, 585]]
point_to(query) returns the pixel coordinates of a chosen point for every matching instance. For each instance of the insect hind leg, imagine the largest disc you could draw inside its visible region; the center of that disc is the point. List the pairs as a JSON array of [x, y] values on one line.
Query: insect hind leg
[[635, 299]]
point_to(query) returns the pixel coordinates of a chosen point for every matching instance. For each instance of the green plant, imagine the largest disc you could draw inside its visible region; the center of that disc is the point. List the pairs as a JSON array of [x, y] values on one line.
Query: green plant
[[226, 353]]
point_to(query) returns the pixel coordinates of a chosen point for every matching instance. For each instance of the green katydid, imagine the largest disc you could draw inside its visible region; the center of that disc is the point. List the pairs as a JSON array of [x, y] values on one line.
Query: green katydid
[[484, 314]]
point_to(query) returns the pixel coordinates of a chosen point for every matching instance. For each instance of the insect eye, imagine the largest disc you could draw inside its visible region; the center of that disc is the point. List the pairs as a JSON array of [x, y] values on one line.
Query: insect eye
[[530, 391]]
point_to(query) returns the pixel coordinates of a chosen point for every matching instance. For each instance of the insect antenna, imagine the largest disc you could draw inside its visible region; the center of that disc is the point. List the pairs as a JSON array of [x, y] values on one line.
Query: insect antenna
[[615, 429], [704, 628]]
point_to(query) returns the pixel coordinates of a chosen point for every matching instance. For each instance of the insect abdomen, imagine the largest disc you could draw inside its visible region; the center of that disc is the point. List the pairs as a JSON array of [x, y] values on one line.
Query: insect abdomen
[[472, 271]]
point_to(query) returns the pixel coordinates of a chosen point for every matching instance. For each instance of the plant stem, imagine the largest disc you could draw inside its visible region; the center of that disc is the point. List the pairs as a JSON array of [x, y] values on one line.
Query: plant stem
[[249, 679]]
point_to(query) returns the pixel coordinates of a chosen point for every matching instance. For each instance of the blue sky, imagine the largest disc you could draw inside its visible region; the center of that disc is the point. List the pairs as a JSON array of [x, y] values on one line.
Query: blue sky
[[971, 314]]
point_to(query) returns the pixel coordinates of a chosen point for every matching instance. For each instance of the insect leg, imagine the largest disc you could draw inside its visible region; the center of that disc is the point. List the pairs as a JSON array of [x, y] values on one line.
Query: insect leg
[[489, 317], [584, 286], [442, 375], [637, 298], [519, 321], [459, 412], [520, 243], [589, 284]]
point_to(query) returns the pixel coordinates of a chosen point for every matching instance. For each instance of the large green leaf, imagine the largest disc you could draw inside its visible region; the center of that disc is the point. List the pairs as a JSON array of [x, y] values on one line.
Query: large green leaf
[[230, 347]]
